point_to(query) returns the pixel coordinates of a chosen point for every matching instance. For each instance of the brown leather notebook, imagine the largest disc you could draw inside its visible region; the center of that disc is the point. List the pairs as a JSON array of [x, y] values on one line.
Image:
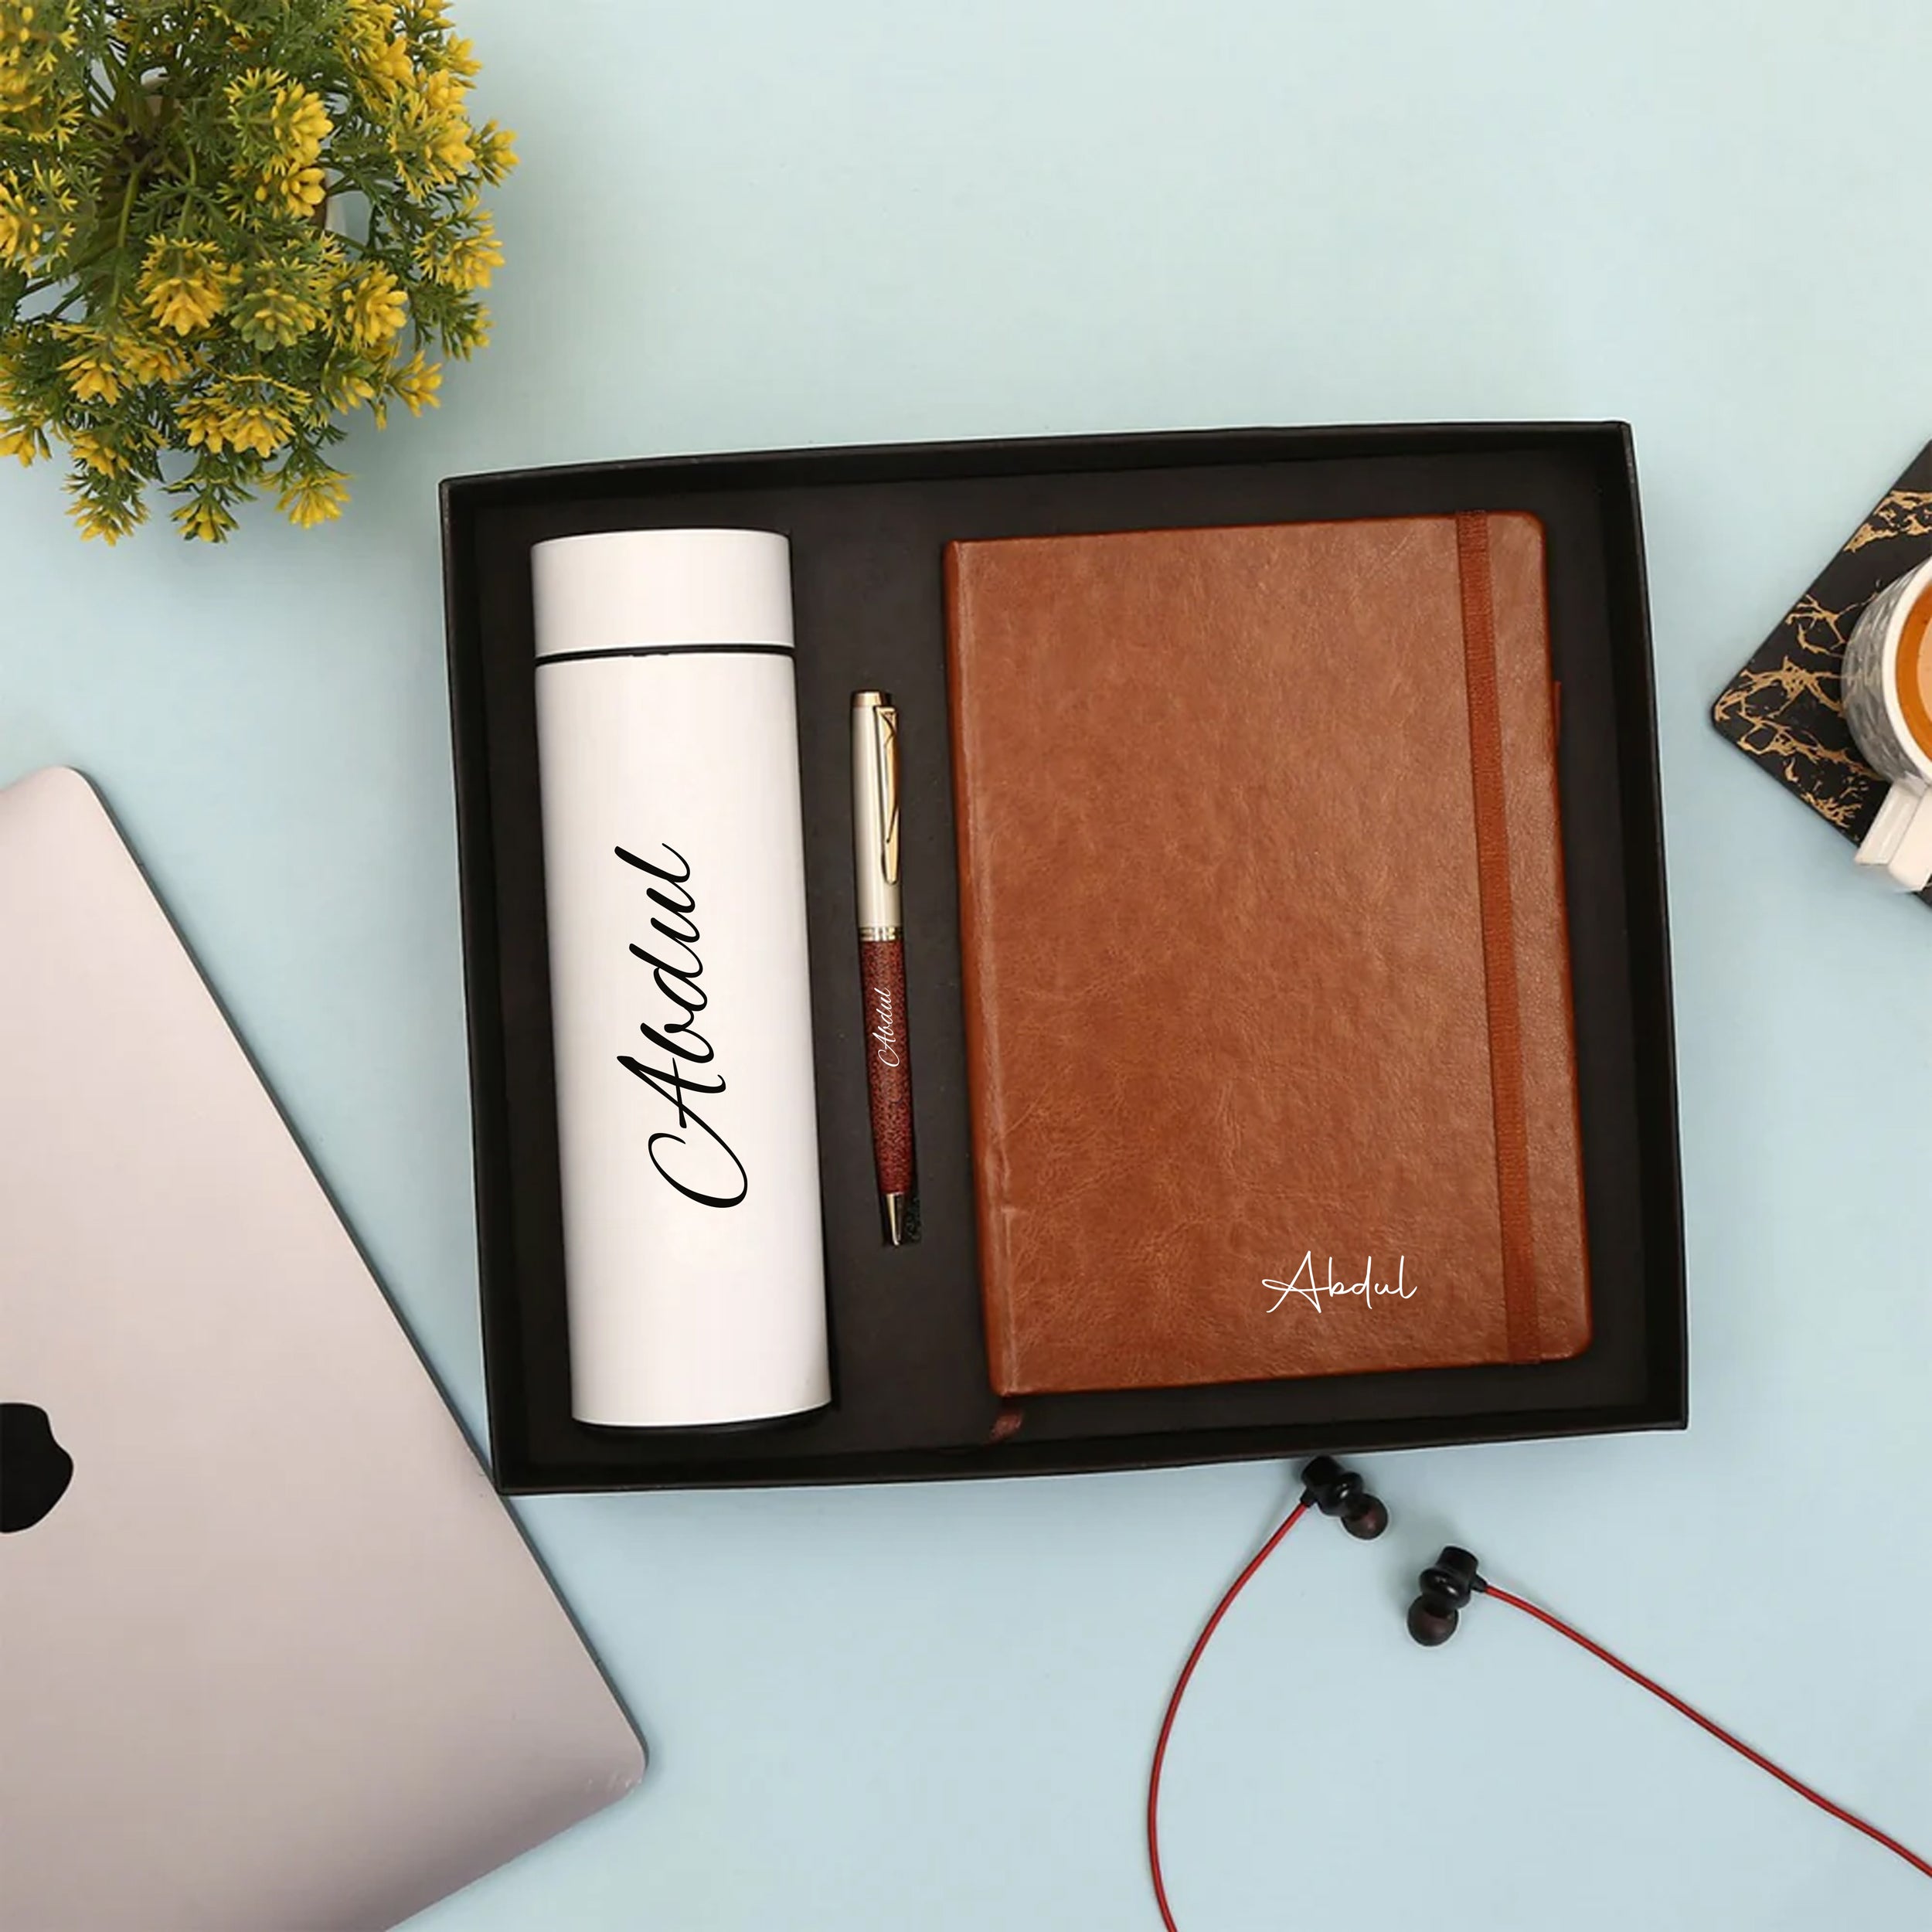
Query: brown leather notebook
[[1266, 966]]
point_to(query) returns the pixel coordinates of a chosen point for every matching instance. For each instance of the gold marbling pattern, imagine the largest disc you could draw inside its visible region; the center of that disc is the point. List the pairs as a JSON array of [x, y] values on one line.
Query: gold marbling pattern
[[1904, 513], [1785, 708]]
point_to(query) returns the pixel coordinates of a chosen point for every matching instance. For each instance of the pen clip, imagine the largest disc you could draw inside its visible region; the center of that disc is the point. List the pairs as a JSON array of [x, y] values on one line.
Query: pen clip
[[885, 741]]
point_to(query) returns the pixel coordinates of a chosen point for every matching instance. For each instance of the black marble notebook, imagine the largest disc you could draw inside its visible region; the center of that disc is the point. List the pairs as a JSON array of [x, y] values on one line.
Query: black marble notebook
[[1784, 709]]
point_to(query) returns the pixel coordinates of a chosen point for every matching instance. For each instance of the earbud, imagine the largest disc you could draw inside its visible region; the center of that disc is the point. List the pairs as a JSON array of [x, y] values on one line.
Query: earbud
[[1336, 1492], [1448, 1585]]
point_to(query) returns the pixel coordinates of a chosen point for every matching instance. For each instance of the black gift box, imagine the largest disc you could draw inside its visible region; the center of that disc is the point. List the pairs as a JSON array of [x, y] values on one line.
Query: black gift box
[[867, 527]]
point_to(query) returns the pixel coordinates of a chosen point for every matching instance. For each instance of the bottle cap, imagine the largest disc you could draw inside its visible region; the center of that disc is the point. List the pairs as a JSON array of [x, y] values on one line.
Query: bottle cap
[[621, 591]]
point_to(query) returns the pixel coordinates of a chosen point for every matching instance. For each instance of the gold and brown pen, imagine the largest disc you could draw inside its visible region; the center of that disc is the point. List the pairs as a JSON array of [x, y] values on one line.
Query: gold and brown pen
[[882, 958]]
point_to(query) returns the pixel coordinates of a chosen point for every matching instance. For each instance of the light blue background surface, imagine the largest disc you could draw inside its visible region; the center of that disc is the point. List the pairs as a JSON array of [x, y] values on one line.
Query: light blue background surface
[[741, 226]]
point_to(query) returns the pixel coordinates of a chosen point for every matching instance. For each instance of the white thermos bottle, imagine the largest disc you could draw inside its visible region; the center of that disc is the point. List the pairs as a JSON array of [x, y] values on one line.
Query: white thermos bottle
[[674, 867]]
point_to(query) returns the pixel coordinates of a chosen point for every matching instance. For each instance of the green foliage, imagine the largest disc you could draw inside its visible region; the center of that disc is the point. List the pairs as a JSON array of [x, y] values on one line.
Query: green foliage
[[224, 226]]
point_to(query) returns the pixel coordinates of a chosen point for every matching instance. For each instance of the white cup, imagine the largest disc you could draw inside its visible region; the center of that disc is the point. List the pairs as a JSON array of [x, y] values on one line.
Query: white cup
[[1888, 703]]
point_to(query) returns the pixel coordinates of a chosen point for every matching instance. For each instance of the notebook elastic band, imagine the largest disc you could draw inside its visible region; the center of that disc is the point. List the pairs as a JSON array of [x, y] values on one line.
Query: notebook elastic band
[[1498, 938]]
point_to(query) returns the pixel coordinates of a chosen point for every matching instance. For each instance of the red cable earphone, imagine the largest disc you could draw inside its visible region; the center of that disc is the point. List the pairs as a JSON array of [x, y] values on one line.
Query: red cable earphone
[[1446, 1589]]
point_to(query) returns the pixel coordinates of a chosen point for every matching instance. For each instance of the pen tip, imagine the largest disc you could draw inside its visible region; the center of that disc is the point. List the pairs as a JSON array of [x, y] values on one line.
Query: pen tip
[[901, 1215]]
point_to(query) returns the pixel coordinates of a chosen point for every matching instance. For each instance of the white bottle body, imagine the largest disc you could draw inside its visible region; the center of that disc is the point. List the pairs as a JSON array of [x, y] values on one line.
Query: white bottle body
[[674, 872]]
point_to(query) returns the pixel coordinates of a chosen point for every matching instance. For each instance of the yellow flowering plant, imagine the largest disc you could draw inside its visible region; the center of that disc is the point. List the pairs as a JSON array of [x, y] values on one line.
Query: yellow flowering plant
[[225, 226]]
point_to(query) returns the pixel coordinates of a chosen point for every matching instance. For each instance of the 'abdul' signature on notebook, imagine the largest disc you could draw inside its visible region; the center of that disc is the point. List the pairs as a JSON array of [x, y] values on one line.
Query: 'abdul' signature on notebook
[[1303, 1283]]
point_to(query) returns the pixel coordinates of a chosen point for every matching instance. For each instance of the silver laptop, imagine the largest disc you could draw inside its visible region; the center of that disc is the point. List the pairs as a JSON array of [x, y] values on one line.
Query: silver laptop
[[272, 1655]]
